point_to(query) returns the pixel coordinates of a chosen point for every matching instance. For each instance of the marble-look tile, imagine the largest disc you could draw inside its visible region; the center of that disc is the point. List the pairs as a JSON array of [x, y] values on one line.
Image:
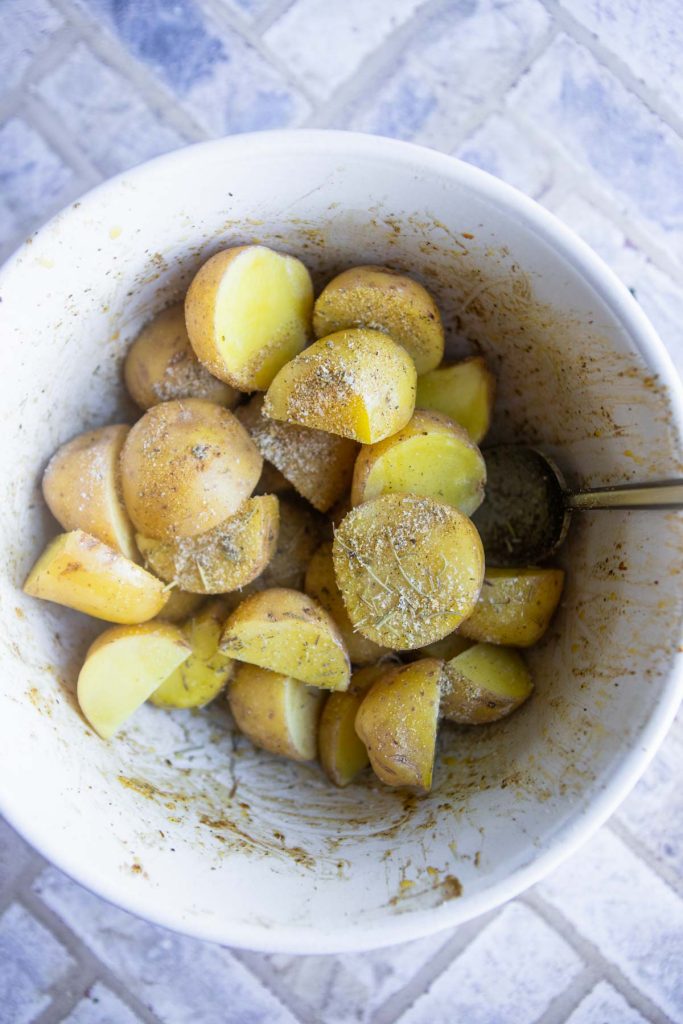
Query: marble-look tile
[[26, 27], [32, 177], [31, 961]]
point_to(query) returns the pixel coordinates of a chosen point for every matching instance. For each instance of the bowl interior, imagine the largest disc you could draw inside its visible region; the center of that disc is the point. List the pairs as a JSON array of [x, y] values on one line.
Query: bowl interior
[[178, 817]]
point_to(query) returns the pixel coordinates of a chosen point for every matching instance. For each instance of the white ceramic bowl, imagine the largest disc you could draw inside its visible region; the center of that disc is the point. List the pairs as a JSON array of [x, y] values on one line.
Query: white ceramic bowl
[[178, 820]]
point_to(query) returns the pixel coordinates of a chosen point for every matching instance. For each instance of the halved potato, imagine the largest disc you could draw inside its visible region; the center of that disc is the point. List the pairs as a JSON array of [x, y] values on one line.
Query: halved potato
[[515, 606], [248, 312], [161, 365], [387, 301], [342, 753], [290, 633], [187, 466], [464, 391], [225, 558], [397, 721], [431, 456], [276, 712], [81, 572], [483, 684], [409, 569], [123, 668], [180, 605], [358, 384], [82, 488], [204, 674]]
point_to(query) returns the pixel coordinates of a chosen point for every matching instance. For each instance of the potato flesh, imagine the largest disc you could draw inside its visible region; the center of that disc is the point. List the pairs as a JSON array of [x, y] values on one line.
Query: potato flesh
[[463, 391], [204, 674], [515, 606], [358, 384], [342, 753], [484, 684], [276, 712], [123, 668], [79, 571]]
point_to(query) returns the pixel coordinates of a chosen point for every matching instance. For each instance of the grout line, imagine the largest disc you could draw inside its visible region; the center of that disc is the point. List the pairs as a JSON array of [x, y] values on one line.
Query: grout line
[[49, 125], [564, 1004], [649, 857], [24, 879], [274, 11], [258, 965]]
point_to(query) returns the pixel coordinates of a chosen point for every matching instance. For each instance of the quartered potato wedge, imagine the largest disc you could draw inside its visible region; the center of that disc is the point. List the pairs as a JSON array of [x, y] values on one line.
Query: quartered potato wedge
[[463, 391], [204, 674], [276, 712], [483, 684], [515, 606], [342, 752]]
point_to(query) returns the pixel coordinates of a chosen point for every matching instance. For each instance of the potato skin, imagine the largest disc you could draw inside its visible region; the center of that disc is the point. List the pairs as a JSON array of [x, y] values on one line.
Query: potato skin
[[464, 391], [301, 531], [515, 606], [276, 712], [484, 684], [186, 466], [203, 675]]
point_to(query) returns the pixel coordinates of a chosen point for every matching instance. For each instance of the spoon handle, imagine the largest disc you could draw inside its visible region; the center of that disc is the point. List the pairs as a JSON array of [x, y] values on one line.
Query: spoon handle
[[661, 494]]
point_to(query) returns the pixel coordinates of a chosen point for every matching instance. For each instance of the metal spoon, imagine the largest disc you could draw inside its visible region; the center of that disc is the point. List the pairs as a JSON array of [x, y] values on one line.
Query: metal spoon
[[528, 507]]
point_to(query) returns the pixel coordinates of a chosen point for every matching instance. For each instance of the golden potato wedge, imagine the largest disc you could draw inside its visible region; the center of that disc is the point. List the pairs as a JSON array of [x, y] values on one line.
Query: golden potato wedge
[[359, 384], [301, 531], [180, 606], [82, 488], [204, 674], [448, 648], [515, 606], [384, 300], [431, 456], [409, 569], [187, 466], [288, 632], [463, 391], [483, 684], [342, 753], [123, 668], [317, 464], [397, 721], [81, 572], [271, 480], [225, 558], [248, 312], [276, 712], [321, 584], [161, 365]]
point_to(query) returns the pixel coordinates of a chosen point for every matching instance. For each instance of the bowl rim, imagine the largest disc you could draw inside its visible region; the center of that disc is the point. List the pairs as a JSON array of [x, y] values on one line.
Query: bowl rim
[[586, 820]]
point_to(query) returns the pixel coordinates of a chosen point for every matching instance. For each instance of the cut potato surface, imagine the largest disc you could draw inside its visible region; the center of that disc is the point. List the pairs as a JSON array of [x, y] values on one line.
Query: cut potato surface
[[409, 569], [225, 558], [358, 383], [342, 753], [204, 674], [384, 300], [515, 606], [430, 456], [288, 632], [276, 712], [161, 365], [483, 684], [180, 605], [463, 391], [248, 312], [123, 667], [187, 466], [81, 572], [82, 487]]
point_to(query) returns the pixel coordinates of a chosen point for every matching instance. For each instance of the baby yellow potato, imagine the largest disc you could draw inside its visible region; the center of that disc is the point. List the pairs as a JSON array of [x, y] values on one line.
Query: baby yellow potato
[[82, 488], [123, 667], [342, 753], [483, 684], [448, 648], [180, 606], [204, 674], [318, 464], [321, 584], [359, 384], [248, 312], [81, 572], [463, 391], [515, 606], [387, 301], [186, 466], [397, 721], [225, 558], [431, 456], [161, 365], [409, 569], [276, 712], [288, 632]]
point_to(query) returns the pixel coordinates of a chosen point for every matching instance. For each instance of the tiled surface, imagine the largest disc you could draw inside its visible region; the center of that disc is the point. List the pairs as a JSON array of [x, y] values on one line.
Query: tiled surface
[[577, 102]]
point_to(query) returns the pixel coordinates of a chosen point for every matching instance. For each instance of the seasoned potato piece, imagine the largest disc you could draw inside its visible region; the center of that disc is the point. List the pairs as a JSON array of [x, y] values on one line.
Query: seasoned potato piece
[[409, 569], [276, 712], [81, 572], [204, 674], [515, 606], [123, 668], [387, 301], [226, 558], [82, 488], [187, 466], [301, 531], [248, 312], [161, 365], [271, 480], [290, 633], [483, 684], [342, 753], [464, 391], [448, 648], [358, 384], [397, 721], [180, 605], [319, 465], [431, 456], [322, 585]]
